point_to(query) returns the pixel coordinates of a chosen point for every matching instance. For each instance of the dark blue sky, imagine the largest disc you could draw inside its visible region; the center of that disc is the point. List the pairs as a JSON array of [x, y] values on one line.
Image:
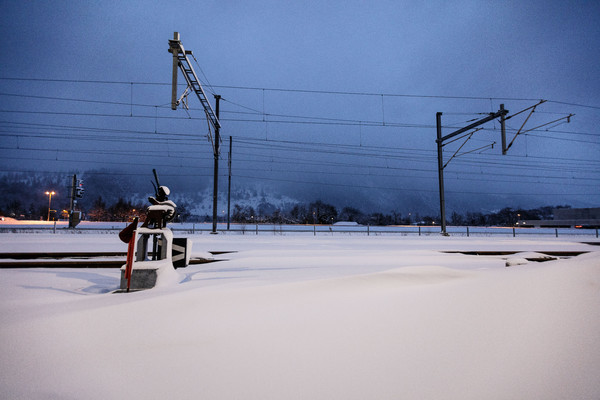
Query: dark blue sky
[[333, 99]]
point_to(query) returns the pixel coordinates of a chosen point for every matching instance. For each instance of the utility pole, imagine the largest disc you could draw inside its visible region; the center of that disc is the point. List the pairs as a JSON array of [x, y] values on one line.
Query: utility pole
[[77, 191], [174, 49], [502, 114], [440, 144], [229, 185], [216, 167], [73, 201], [503, 129], [181, 62], [438, 123]]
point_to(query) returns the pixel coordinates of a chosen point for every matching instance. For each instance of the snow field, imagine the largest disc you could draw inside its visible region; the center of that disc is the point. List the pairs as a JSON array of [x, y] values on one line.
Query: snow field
[[308, 318]]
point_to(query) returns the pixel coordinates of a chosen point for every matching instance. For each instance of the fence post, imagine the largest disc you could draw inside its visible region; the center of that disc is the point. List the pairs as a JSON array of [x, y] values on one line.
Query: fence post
[[556, 231], [54, 226], [419, 230], [514, 232], [467, 231], [368, 230], [257, 228], [193, 229], [596, 233], [314, 230]]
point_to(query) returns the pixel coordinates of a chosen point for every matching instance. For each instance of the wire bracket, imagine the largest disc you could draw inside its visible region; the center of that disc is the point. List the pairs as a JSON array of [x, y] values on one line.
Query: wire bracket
[[182, 62]]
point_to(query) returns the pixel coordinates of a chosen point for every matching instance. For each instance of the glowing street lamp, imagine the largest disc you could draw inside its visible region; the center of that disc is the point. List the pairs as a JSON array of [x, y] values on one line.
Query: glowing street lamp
[[49, 202]]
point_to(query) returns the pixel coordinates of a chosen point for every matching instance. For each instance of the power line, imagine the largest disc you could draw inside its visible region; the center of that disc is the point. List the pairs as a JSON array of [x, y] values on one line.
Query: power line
[[429, 171], [110, 173], [574, 104], [99, 130], [299, 161], [386, 125], [283, 145], [390, 153], [258, 141], [347, 93], [330, 92], [155, 117], [407, 189], [379, 151], [314, 120], [112, 152], [562, 139], [304, 119], [105, 139], [332, 121], [404, 175], [297, 181], [104, 162], [119, 103], [96, 114], [86, 81]]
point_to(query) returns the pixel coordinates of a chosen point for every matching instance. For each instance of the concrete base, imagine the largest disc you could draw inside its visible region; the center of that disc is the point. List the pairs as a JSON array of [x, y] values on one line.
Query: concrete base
[[148, 274], [140, 279]]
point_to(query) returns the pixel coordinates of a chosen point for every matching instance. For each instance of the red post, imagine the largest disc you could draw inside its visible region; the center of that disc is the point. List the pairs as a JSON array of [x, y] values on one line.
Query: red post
[[129, 267], [128, 235]]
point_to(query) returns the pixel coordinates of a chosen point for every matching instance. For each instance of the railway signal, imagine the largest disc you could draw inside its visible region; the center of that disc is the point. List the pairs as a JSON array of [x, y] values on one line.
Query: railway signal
[[79, 189]]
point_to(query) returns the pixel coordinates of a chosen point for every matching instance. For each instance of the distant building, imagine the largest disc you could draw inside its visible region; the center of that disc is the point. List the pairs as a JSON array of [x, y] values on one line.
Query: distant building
[[567, 218], [576, 213]]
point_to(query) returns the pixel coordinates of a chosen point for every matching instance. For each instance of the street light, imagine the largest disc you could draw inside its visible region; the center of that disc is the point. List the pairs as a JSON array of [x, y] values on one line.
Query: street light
[[49, 202]]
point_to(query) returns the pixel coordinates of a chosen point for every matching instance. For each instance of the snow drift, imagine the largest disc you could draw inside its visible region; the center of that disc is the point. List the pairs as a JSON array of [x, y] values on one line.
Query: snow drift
[[311, 318]]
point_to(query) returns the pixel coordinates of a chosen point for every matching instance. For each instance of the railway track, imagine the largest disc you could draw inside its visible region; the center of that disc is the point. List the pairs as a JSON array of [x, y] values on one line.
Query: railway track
[[117, 259], [552, 253], [77, 260]]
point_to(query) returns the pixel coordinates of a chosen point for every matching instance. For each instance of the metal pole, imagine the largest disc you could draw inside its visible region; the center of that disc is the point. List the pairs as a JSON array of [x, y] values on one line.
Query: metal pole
[[49, 201], [503, 129], [229, 185], [216, 167], [474, 124], [73, 202], [438, 121], [175, 70], [73, 185]]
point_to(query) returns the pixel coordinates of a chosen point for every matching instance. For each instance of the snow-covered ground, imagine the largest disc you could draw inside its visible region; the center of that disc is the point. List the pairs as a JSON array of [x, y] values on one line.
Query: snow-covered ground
[[308, 317]]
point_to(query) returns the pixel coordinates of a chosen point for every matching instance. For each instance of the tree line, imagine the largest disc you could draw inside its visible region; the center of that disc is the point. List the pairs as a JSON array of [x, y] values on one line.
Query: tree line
[[319, 212], [24, 198]]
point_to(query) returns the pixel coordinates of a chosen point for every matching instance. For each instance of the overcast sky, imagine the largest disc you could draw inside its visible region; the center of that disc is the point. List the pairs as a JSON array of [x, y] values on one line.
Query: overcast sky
[[333, 99]]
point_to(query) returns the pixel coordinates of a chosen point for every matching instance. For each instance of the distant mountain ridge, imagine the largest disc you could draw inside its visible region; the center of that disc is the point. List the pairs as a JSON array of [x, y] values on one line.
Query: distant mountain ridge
[[24, 194]]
